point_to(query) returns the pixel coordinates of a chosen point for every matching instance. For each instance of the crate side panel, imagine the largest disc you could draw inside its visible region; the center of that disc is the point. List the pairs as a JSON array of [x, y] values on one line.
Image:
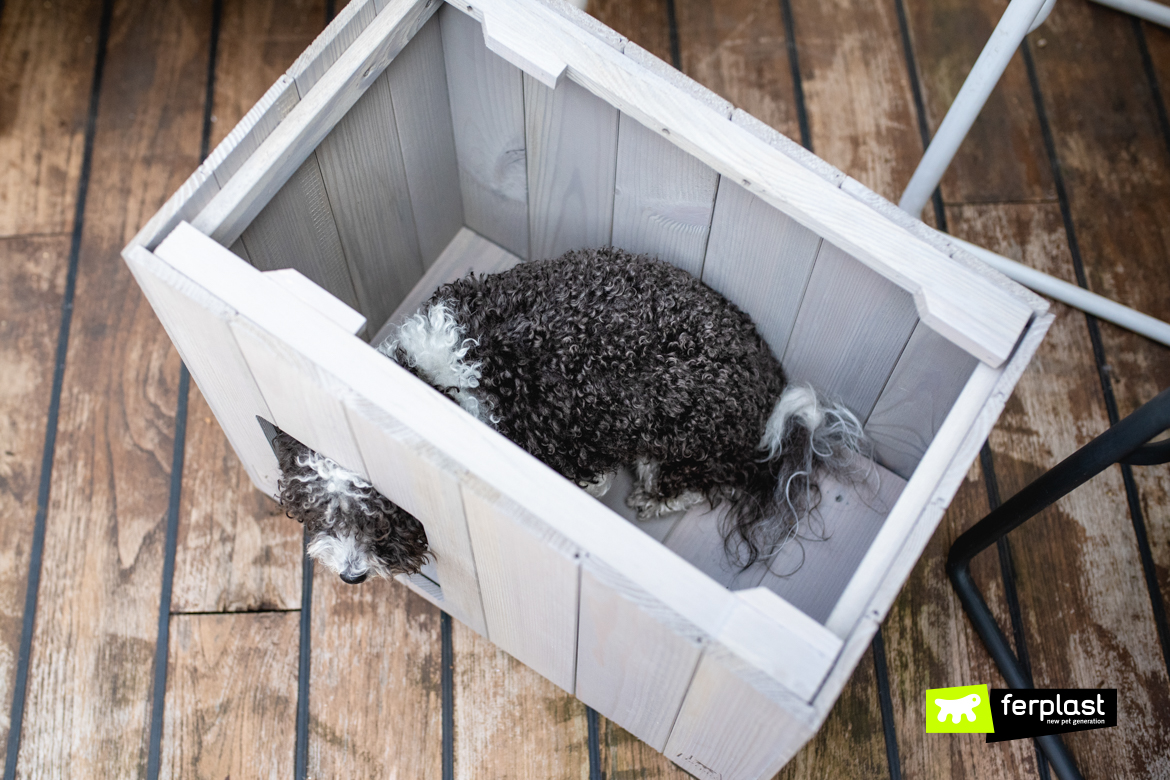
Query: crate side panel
[[422, 110], [729, 730], [487, 111], [925, 384], [304, 402], [296, 230], [572, 157], [760, 259], [409, 472], [365, 179], [345, 28], [635, 657], [529, 577], [246, 137], [852, 326], [663, 198], [197, 323]]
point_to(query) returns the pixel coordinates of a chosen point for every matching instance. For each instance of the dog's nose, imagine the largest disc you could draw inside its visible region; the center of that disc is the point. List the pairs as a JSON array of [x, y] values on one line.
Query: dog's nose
[[354, 579]]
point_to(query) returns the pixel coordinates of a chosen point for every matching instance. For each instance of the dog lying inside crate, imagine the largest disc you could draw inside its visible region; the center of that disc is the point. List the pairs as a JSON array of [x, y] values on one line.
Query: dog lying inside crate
[[595, 361]]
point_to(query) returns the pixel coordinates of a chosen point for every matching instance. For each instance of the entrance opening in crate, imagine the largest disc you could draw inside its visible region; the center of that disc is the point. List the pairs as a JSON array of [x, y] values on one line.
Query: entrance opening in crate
[[425, 579], [455, 160]]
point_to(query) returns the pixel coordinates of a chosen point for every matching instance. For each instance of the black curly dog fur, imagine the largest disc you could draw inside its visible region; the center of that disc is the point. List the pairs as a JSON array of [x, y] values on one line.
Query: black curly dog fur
[[598, 360]]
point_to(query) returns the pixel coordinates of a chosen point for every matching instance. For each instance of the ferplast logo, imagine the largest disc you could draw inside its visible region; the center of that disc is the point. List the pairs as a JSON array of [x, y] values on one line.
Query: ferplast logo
[[1022, 713], [962, 710]]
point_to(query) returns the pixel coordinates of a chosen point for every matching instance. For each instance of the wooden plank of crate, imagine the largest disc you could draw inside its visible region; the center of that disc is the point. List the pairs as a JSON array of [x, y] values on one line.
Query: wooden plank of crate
[[789, 148], [529, 578], [32, 284], [852, 326], [928, 378], [375, 706], [231, 691], [405, 469], [965, 307], [303, 405], [333, 41], [728, 729], [422, 110], [942, 242], [759, 622], [293, 390], [572, 158], [256, 125], [197, 322], [487, 109], [303, 289], [696, 538], [468, 251], [361, 165], [616, 675], [663, 198], [678, 79], [759, 259], [293, 140], [297, 230], [47, 73]]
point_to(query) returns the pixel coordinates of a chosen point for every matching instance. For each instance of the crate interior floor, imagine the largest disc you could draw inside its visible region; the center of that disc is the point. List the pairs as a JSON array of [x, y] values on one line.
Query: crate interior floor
[[104, 110]]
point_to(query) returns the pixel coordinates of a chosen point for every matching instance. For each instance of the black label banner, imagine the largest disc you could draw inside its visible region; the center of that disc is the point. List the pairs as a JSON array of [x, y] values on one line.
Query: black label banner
[[1022, 713]]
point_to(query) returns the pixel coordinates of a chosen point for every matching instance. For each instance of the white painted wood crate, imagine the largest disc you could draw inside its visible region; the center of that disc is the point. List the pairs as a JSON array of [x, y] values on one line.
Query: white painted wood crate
[[416, 139]]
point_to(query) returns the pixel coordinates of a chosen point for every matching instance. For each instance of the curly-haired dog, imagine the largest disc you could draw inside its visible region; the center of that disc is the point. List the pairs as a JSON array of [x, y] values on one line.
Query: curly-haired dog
[[594, 361]]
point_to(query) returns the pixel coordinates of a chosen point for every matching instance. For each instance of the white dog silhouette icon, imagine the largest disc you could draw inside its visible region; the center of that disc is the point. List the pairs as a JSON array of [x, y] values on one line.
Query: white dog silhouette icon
[[958, 708]]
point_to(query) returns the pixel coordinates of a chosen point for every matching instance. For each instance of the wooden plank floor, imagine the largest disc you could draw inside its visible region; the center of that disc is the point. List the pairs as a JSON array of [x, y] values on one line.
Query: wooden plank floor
[[118, 660]]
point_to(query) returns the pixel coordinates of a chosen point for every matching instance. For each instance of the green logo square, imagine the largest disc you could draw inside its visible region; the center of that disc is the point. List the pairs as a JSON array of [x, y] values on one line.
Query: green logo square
[[962, 710]]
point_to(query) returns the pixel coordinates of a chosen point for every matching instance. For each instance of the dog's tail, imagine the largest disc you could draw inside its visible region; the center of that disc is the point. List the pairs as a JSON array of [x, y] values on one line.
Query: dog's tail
[[807, 436]]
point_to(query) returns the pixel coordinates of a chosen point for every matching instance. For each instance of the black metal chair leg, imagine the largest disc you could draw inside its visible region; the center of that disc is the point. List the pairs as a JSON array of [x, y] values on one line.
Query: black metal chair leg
[[1121, 443]]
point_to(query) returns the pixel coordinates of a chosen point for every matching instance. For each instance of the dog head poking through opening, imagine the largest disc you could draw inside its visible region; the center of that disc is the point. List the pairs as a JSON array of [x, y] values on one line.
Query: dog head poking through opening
[[353, 529]]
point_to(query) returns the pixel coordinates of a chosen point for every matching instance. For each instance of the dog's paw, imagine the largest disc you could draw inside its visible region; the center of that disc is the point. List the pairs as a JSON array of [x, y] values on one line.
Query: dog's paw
[[649, 507], [599, 485]]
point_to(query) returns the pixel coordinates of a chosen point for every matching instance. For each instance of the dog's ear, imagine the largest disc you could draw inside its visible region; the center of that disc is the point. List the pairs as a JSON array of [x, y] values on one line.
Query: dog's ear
[[398, 539]]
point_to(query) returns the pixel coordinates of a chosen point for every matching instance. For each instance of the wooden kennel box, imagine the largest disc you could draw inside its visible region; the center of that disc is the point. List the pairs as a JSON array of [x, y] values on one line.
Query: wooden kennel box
[[416, 139]]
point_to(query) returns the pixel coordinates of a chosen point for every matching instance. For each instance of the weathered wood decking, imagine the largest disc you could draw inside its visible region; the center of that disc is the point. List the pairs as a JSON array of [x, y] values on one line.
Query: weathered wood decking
[[104, 110]]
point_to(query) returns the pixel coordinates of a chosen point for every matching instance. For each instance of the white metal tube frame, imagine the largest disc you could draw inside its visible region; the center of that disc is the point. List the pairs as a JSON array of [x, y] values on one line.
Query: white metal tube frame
[[1143, 9], [1020, 18], [1071, 294]]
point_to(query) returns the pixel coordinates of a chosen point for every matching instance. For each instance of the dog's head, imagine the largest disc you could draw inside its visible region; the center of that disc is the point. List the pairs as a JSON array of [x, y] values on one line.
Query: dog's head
[[352, 529]]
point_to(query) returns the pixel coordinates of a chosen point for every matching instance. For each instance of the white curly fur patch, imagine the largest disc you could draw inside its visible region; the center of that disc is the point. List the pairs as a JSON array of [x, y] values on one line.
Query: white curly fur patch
[[829, 424], [435, 344]]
